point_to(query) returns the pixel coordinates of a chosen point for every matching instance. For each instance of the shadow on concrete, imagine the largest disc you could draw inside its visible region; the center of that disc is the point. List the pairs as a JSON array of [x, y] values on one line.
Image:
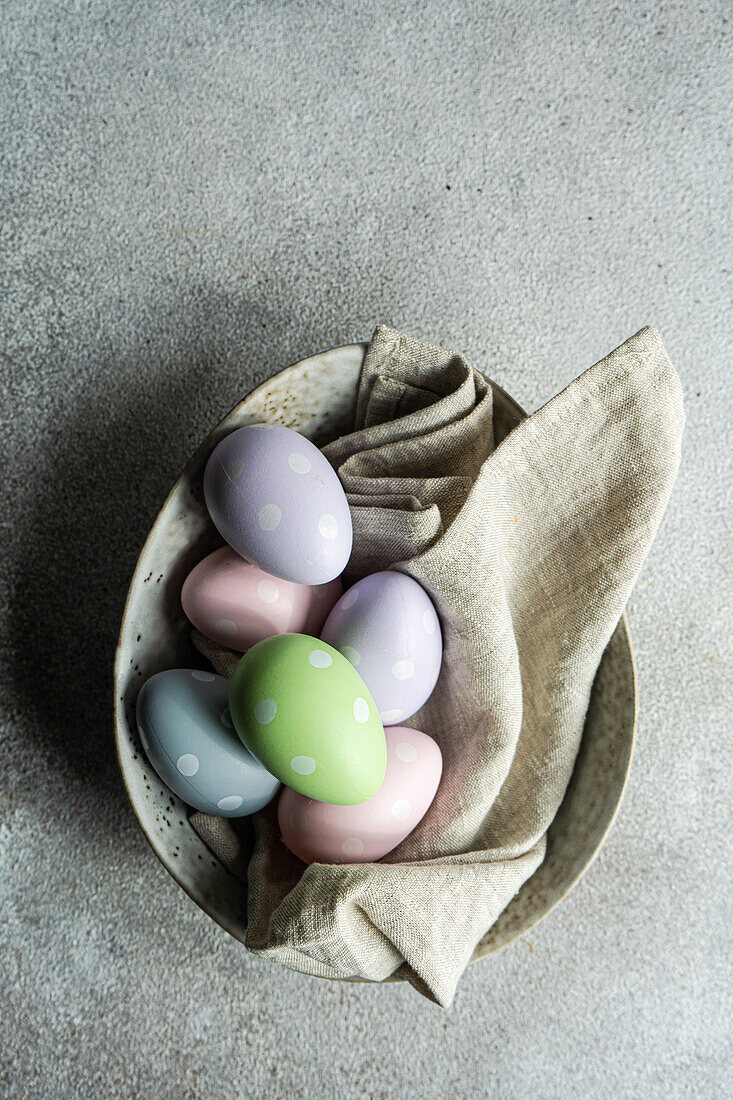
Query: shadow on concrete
[[105, 466]]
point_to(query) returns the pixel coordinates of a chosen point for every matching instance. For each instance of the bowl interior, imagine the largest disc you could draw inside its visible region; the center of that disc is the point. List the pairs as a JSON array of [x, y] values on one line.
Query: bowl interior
[[317, 398]]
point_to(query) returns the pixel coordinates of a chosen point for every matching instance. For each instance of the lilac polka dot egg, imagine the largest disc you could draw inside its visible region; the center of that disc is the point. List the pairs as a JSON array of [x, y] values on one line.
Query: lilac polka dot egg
[[279, 503], [387, 627]]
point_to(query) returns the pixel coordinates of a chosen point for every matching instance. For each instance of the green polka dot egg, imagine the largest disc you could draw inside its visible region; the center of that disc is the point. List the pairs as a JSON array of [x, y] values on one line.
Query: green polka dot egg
[[307, 715]]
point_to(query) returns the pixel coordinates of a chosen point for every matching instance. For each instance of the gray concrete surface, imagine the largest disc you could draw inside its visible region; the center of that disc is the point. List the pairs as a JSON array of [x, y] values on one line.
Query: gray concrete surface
[[193, 195]]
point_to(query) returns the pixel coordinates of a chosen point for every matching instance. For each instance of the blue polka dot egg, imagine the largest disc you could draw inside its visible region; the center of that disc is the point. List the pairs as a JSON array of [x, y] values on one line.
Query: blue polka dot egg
[[186, 730]]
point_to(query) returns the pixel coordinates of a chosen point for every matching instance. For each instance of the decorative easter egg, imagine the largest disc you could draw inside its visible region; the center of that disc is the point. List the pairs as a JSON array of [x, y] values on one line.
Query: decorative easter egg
[[236, 604], [387, 627], [319, 833], [305, 712], [187, 732], [278, 502]]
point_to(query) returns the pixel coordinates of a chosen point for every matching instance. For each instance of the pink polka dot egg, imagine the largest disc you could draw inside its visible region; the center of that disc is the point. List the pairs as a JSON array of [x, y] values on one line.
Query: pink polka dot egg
[[318, 832], [277, 501], [236, 604]]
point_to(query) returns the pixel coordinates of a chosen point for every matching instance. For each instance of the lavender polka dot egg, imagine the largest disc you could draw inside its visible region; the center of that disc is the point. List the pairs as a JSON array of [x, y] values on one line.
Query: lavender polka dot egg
[[387, 627], [186, 729], [279, 503]]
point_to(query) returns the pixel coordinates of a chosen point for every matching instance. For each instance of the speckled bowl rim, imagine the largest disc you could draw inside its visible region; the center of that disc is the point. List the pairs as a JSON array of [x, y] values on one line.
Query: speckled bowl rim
[[482, 949]]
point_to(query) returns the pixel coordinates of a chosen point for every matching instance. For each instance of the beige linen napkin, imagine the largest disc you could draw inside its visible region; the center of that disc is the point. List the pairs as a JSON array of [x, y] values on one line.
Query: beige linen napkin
[[529, 544]]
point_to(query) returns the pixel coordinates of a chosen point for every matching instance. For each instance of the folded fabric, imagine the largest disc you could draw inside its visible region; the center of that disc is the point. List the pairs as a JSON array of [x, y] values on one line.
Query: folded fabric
[[529, 544]]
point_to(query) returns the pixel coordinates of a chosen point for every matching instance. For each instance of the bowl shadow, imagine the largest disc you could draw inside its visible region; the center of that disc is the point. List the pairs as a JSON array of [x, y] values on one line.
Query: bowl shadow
[[103, 471]]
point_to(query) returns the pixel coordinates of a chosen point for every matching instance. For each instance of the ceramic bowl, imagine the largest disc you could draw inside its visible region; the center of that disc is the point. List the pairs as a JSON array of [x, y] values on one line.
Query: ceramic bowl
[[317, 397]]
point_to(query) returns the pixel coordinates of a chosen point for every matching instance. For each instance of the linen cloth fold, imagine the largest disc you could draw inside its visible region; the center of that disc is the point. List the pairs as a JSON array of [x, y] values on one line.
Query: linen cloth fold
[[529, 544]]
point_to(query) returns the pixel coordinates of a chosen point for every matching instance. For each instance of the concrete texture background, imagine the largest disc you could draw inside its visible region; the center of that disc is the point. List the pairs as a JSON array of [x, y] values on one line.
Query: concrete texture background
[[195, 194]]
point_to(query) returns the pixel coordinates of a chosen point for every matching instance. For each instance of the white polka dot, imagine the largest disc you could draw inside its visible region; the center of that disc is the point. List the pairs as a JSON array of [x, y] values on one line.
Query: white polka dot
[[388, 716], [352, 846], [361, 710], [188, 764], [298, 463], [351, 654], [405, 752], [299, 820], [233, 468], [226, 626], [328, 526], [269, 516], [265, 711], [320, 591], [401, 809], [403, 670], [349, 599], [207, 677], [268, 591], [320, 659], [226, 719], [303, 765], [231, 802], [428, 621]]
